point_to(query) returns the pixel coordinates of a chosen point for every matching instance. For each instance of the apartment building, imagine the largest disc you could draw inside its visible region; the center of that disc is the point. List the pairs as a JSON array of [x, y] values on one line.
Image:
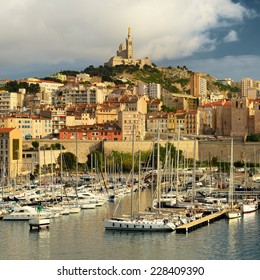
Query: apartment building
[[31, 127], [198, 86], [246, 84], [83, 95], [10, 153], [157, 121], [103, 132], [129, 120], [106, 113], [154, 91], [8, 102], [155, 105]]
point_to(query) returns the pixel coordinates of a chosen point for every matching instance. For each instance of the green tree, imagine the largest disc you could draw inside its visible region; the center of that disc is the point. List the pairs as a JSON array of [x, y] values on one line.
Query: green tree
[[12, 86], [69, 161], [34, 88], [35, 144]]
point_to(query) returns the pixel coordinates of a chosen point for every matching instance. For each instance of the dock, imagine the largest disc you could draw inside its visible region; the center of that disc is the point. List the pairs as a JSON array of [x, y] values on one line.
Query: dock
[[200, 222]]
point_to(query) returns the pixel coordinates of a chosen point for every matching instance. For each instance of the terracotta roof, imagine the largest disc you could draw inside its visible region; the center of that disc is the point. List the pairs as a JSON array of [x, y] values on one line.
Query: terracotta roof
[[6, 130], [212, 104]]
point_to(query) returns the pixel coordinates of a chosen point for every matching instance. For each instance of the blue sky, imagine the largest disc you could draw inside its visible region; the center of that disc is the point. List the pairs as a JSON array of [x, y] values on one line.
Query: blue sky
[[217, 37]]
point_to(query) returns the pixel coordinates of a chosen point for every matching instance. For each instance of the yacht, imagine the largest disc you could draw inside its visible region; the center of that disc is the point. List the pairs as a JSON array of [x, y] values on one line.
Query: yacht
[[141, 224], [249, 205], [25, 213]]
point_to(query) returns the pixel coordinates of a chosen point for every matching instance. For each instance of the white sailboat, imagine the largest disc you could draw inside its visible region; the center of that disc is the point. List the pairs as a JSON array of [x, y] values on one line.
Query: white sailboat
[[249, 203], [144, 223], [233, 213]]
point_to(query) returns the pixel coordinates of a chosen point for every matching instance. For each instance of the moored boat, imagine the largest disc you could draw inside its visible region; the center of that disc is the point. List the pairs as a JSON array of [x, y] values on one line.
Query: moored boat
[[249, 205], [234, 214], [24, 213], [139, 225]]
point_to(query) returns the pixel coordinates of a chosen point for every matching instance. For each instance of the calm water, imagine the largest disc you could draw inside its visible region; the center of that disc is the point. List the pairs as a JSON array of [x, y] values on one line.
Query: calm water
[[82, 237]]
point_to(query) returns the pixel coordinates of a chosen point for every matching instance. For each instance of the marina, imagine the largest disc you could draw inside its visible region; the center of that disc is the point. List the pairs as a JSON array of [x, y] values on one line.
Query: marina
[[98, 212], [82, 236]]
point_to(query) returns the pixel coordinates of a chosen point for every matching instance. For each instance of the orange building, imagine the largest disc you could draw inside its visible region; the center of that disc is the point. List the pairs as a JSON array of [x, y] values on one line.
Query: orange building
[[100, 132]]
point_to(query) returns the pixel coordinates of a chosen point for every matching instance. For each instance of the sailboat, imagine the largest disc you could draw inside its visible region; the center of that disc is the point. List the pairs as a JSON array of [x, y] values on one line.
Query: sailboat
[[249, 203], [233, 213], [144, 223]]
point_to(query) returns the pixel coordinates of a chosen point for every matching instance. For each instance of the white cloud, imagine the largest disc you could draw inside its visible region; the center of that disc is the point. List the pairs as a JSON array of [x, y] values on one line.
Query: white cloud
[[65, 31], [232, 36]]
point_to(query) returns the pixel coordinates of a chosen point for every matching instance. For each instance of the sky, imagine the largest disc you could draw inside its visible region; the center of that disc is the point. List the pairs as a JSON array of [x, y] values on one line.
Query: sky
[[217, 37]]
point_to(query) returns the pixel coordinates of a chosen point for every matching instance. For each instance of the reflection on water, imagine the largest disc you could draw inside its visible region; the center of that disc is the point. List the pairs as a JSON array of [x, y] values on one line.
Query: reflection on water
[[82, 236]]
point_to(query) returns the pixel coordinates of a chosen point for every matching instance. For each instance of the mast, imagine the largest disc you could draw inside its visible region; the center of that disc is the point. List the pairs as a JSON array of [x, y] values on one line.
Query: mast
[[194, 172], [139, 180], [177, 166], [133, 167], [39, 161], [231, 181], [158, 168]]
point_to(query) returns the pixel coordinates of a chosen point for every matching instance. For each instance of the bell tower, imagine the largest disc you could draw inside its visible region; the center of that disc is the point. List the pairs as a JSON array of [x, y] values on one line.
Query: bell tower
[[129, 44]]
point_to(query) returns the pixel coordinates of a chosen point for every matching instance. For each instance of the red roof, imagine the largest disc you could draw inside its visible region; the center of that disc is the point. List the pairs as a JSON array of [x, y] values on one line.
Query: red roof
[[212, 104], [6, 130]]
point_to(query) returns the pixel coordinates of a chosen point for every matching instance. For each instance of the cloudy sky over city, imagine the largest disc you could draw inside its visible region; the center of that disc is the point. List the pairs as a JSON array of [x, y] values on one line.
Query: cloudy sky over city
[[219, 37]]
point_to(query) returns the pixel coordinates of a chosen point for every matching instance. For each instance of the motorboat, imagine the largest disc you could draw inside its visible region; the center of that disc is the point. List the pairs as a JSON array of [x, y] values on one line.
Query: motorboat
[[25, 213], [249, 205], [39, 222]]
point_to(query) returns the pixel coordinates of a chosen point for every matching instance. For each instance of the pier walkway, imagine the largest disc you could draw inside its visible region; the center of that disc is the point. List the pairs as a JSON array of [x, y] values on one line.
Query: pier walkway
[[200, 222]]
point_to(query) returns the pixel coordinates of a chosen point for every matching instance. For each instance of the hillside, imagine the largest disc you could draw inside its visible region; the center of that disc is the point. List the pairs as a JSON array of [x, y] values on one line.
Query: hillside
[[172, 79]]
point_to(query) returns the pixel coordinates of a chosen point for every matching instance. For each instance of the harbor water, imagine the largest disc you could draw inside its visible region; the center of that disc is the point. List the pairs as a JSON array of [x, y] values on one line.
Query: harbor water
[[82, 237]]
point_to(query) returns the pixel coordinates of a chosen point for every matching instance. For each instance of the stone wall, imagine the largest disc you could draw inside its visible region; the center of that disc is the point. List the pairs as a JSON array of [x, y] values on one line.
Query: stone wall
[[249, 152], [205, 149], [85, 147]]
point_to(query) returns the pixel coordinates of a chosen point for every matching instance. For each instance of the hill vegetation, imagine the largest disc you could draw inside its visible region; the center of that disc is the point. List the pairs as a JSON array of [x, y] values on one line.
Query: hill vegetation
[[172, 79]]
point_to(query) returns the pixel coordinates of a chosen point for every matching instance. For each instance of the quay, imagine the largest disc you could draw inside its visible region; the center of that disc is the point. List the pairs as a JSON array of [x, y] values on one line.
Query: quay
[[200, 222]]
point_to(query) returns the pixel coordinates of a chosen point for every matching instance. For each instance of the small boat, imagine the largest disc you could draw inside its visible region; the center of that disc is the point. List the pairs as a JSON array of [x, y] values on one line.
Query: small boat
[[25, 213], [88, 205], [249, 205], [39, 222], [234, 214], [74, 209]]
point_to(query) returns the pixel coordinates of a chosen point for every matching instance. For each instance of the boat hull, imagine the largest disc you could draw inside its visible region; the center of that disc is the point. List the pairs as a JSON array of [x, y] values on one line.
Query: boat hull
[[248, 208], [39, 222], [128, 225], [233, 215]]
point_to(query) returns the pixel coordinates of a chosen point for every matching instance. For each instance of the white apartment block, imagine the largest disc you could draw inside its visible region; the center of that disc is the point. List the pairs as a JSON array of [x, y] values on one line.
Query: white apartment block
[[203, 87], [49, 86], [154, 91], [8, 102], [246, 84], [82, 95]]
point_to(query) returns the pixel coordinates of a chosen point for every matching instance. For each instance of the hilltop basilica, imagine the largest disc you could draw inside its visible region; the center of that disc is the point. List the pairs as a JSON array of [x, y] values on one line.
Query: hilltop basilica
[[124, 55]]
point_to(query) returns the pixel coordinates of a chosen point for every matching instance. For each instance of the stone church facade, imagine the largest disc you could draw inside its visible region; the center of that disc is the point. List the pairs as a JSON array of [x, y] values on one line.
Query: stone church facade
[[124, 55]]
